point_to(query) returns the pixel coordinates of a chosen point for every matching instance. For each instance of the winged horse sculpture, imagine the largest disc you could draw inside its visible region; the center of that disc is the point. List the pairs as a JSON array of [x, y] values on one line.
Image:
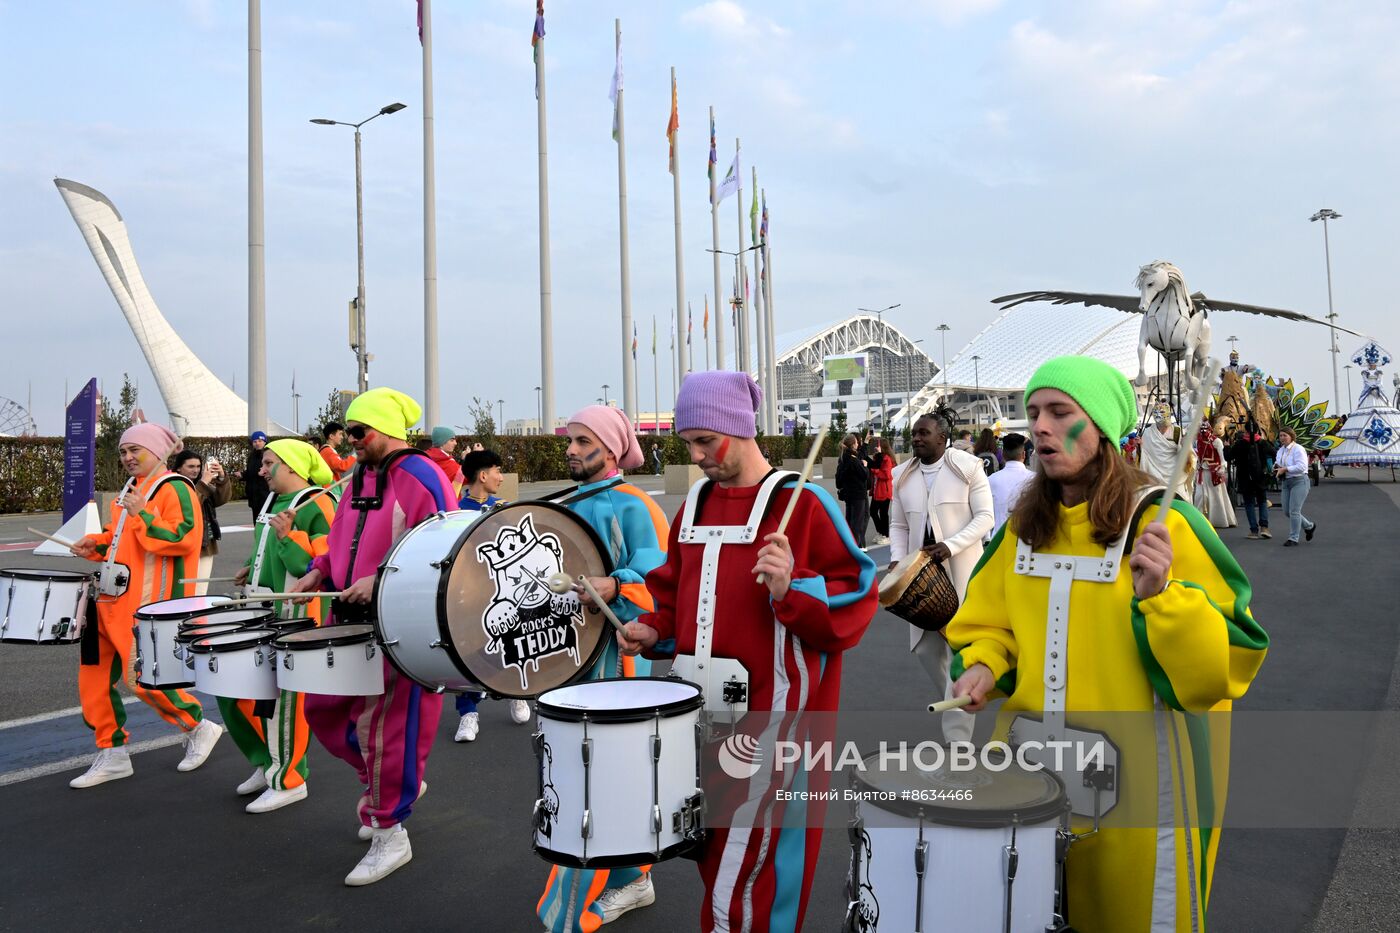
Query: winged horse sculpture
[[1174, 323]]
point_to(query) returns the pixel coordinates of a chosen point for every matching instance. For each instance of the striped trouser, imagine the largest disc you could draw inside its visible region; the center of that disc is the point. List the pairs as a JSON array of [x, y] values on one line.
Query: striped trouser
[[385, 738], [103, 710], [275, 743]]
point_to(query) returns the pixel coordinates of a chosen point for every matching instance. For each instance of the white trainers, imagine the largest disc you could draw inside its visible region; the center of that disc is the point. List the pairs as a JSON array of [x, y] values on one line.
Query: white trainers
[[617, 901], [468, 728], [111, 764], [199, 742], [274, 799], [519, 711], [389, 850], [256, 782], [367, 832]]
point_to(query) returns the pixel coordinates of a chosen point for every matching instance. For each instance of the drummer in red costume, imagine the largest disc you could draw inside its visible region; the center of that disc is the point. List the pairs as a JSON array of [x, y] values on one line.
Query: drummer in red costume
[[386, 738], [784, 636]]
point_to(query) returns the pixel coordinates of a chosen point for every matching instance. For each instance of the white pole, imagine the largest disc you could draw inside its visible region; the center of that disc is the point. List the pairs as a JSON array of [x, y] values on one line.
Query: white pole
[[759, 327], [682, 362], [655, 383], [629, 376], [714, 233], [741, 363], [674, 375], [431, 407], [767, 284], [546, 286], [257, 276], [706, 328]]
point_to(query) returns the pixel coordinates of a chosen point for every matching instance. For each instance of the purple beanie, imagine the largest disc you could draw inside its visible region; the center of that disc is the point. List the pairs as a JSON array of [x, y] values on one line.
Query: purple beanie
[[720, 401]]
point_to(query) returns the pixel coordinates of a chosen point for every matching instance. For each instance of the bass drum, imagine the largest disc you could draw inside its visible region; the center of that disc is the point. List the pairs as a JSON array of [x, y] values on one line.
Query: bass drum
[[462, 600]]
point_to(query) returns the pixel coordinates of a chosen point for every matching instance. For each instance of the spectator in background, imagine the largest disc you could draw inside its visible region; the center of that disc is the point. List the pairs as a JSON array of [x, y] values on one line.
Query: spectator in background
[[254, 486], [444, 446], [213, 488], [986, 450], [881, 488], [963, 442], [853, 487], [656, 458], [1008, 482], [334, 436], [1250, 454]]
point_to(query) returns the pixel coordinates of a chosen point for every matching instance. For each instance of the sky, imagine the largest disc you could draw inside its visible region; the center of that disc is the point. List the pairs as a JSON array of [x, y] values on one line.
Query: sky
[[931, 153]]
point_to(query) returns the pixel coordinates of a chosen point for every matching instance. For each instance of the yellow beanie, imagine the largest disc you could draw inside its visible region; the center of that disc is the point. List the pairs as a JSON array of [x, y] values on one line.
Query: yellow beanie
[[302, 459], [386, 410]]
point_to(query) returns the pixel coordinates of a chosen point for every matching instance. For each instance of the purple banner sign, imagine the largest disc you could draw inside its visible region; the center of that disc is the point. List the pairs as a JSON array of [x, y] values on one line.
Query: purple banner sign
[[80, 450]]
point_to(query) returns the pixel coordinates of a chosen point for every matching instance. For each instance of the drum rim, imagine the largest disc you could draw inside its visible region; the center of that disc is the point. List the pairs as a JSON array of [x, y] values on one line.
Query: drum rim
[[37, 573], [291, 625], [138, 614], [46, 641], [185, 637], [1029, 814], [903, 578], [188, 621], [254, 637], [337, 640], [670, 710], [629, 860]]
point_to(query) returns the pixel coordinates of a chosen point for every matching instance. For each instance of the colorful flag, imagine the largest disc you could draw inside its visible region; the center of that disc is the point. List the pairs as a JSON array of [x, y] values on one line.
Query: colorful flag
[[538, 35], [616, 86], [706, 324], [714, 153], [672, 126], [420, 22], [673, 329], [763, 253], [731, 181], [689, 323], [753, 218], [634, 340], [763, 224]]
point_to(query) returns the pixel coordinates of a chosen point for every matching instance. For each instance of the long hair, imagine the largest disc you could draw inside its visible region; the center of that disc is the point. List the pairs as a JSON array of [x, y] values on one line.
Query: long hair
[[1112, 492], [986, 442]]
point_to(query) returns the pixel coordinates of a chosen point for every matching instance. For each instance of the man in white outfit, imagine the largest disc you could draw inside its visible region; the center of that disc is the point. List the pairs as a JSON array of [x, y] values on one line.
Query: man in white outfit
[[1007, 483], [941, 503]]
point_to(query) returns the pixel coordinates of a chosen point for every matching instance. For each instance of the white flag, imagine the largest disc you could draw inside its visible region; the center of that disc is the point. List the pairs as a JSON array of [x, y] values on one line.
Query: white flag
[[731, 181], [616, 87]]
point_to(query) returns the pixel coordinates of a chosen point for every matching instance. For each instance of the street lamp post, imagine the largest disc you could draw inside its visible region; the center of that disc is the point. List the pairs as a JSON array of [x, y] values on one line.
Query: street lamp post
[[361, 356], [539, 405], [884, 403], [943, 335], [605, 393], [500, 414], [977, 383], [1325, 215], [1347, 367]]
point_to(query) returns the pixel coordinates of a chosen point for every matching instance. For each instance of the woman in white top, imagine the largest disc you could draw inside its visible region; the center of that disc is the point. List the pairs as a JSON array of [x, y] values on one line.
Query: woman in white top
[[1291, 466]]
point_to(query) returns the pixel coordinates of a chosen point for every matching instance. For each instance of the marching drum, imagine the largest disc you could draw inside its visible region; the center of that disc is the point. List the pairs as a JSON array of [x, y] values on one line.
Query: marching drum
[[341, 660], [44, 607], [239, 665], [216, 622], [919, 591], [463, 603], [598, 742], [158, 660], [967, 850]]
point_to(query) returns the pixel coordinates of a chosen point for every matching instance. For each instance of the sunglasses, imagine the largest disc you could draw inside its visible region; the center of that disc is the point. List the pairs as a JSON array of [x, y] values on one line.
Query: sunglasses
[[358, 431]]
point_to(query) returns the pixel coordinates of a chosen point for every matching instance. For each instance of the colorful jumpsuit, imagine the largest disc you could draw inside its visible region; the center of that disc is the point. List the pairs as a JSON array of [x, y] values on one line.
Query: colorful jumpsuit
[[275, 739], [157, 547], [758, 871], [385, 738], [1186, 652], [634, 530]]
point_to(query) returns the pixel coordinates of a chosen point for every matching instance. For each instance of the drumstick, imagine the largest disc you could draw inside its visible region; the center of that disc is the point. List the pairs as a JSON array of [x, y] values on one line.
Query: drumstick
[[942, 706], [58, 541], [1188, 439], [264, 597], [561, 584], [207, 580], [801, 481]]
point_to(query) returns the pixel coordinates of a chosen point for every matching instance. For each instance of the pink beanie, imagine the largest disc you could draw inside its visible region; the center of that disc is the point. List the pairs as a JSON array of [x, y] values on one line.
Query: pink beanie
[[614, 430], [159, 440]]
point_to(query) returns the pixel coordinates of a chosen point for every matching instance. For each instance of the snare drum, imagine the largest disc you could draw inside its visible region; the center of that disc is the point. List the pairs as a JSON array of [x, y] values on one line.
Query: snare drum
[[939, 860], [339, 660], [43, 607], [619, 772], [217, 622], [239, 665], [157, 660]]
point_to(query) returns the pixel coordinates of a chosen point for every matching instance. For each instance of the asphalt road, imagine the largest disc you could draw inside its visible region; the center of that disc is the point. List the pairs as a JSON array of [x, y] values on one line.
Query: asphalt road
[[165, 850]]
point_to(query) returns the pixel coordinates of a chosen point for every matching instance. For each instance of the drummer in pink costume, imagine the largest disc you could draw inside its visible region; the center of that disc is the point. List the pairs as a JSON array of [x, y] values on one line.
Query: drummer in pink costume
[[384, 738]]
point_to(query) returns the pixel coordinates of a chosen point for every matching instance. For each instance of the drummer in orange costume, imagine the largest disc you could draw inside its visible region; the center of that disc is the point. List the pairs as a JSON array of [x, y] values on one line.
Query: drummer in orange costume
[[151, 543]]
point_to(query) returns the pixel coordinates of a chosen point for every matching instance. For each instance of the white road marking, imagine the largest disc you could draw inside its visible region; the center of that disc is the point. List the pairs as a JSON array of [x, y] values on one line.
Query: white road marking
[[82, 761], [55, 714]]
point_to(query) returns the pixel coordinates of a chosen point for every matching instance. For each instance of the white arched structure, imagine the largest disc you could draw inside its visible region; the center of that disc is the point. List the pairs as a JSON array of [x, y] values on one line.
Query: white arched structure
[[198, 401]]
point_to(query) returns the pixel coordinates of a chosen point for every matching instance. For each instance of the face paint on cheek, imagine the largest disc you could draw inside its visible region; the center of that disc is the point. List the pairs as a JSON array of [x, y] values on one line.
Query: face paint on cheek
[[1073, 436], [722, 451]]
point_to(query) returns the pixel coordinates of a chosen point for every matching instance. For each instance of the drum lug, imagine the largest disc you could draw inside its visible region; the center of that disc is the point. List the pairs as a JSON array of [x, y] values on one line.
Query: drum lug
[[438, 564], [437, 644], [439, 689], [369, 651], [213, 664], [389, 644], [687, 821], [330, 657], [287, 660], [655, 819]]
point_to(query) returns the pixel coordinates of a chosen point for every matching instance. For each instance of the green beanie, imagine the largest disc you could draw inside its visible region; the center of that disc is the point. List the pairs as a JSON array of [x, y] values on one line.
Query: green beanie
[[1101, 390]]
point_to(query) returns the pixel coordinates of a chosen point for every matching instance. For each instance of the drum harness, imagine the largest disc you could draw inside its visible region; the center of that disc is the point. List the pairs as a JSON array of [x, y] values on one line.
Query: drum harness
[[349, 612], [299, 498]]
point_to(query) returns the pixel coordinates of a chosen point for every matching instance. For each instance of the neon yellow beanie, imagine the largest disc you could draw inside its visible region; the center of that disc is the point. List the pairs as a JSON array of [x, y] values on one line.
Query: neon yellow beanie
[[302, 459], [386, 410]]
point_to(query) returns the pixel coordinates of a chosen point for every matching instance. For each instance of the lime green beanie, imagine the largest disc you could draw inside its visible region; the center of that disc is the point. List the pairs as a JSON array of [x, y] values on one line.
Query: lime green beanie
[[1101, 390], [386, 410]]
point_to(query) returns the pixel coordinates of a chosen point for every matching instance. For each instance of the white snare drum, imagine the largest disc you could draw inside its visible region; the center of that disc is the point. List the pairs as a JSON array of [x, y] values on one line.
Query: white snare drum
[[216, 622], [339, 660], [240, 665], [972, 850], [597, 745], [43, 607], [157, 659]]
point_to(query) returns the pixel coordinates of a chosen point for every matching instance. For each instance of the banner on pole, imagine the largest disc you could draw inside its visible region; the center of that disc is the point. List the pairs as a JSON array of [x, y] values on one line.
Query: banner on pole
[[80, 450]]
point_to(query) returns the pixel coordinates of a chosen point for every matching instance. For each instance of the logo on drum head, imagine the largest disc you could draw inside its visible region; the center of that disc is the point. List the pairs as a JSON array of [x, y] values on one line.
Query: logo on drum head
[[740, 756], [526, 622]]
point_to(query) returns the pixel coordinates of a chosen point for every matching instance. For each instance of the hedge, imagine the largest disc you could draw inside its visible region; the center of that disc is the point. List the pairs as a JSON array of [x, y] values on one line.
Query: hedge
[[31, 468]]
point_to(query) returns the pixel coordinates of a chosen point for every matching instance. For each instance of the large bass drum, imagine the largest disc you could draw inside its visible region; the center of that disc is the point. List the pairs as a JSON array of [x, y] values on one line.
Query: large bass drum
[[462, 601]]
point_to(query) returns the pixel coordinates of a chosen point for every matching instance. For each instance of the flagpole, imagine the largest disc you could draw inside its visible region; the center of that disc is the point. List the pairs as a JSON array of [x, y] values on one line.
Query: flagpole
[[767, 283], [655, 383], [430, 324], [707, 324], [689, 333], [741, 362], [714, 234], [629, 378], [673, 371], [759, 329], [257, 261], [546, 285], [682, 362]]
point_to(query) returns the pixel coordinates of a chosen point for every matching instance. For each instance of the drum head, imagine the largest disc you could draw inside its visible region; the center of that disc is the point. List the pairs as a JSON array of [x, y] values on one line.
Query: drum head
[[287, 626], [232, 615], [620, 699], [897, 580], [328, 636], [33, 573], [181, 608], [232, 641], [195, 633], [512, 634], [997, 798]]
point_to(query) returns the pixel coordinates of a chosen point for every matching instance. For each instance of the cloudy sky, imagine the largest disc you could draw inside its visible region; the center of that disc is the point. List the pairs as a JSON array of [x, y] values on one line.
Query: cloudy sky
[[933, 153]]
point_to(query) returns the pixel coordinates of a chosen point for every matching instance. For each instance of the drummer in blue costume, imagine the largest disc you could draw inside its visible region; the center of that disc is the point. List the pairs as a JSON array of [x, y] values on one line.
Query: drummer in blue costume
[[634, 530]]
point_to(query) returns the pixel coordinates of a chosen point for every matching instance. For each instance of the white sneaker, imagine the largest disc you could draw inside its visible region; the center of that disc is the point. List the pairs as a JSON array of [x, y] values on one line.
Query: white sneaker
[[256, 782], [274, 799], [367, 832], [468, 728], [111, 764], [199, 742], [519, 711], [617, 901], [389, 850]]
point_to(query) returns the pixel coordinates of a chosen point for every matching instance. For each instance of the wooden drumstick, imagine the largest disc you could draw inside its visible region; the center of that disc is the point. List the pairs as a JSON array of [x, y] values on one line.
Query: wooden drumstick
[[207, 580], [59, 541], [1188, 438], [561, 583], [264, 597], [942, 706], [797, 490]]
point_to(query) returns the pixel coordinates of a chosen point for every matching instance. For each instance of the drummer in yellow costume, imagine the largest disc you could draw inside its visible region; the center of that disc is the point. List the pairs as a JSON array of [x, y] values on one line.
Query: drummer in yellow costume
[[1173, 634]]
